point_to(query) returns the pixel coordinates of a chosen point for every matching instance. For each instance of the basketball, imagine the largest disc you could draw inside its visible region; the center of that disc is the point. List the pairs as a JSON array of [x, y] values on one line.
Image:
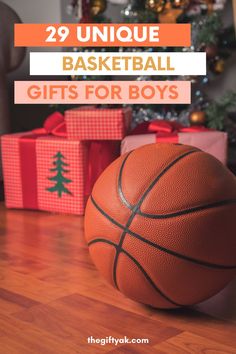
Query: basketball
[[161, 225]]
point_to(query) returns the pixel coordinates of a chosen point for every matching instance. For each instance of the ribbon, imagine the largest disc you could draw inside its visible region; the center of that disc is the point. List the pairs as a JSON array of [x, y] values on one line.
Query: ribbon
[[28, 167], [53, 125], [101, 154], [166, 131]]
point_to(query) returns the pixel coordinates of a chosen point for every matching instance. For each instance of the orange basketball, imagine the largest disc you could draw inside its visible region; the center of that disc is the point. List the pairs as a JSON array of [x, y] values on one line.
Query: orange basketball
[[161, 225]]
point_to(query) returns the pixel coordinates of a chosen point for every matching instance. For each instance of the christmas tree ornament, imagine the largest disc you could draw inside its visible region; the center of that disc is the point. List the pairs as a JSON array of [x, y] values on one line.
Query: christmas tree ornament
[[97, 7], [219, 66], [211, 50], [155, 5], [169, 13], [197, 118], [129, 13], [84, 11], [180, 3], [210, 6], [194, 9]]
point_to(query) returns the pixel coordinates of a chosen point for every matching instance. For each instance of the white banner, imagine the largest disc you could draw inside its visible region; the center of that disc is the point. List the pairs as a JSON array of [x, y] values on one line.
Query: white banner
[[138, 63]]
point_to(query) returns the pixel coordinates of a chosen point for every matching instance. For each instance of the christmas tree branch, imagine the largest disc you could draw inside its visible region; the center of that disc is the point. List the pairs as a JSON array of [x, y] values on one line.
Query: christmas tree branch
[[216, 112]]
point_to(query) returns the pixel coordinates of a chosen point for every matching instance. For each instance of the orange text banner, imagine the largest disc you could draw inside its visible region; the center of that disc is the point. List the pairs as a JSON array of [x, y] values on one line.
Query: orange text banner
[[102, 35]]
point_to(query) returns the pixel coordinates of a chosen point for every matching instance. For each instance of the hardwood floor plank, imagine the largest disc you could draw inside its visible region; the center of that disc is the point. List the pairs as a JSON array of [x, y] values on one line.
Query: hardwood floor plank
[[182, 319], [18, 299], [28, 286], [106, 293], [76, 278], [11, 302], [189, 320], [67, 326], [31, 342], [25, 337], [124, 322], [134, 349], [7, 307], [189, 343]]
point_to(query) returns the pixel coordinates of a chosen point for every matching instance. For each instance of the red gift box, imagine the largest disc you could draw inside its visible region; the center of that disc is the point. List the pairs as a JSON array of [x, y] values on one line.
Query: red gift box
[[44, 170], [86, 123], [210, 141]]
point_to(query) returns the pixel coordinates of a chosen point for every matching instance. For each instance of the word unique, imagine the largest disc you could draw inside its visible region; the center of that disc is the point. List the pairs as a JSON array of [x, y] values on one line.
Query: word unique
[[123, 34]]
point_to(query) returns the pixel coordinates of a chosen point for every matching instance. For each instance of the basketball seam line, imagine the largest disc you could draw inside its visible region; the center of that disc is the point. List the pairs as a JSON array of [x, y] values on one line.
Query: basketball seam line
[[120, 191], [189, 210], [139, 203], [169, 215], [161, 248], [139, 266], [119, 246], [156, 179]]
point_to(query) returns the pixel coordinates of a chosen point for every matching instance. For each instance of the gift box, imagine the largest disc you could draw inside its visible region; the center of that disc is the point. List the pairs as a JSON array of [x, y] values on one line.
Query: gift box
[[44, 173], [43, 170], [87, 123], [210, 141]]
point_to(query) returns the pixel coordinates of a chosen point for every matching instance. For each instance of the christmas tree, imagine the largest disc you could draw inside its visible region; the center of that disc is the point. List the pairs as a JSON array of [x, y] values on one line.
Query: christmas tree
[[208, 35], [59, 178]]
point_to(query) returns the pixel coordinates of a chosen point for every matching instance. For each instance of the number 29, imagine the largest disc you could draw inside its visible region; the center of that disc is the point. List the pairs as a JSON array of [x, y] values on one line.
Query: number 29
[[55, 34]]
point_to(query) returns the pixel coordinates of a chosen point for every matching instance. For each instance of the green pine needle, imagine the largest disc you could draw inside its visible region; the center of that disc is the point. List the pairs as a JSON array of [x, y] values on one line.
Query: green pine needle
[[216, 112], [208, 33]]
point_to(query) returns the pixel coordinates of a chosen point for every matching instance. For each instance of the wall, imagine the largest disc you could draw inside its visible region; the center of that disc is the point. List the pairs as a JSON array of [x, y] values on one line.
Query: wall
[[24, 117]]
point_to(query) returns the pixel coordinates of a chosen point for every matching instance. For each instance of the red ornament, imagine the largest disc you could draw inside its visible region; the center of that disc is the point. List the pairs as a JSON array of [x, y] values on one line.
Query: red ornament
[[211, 50], [85, 12]]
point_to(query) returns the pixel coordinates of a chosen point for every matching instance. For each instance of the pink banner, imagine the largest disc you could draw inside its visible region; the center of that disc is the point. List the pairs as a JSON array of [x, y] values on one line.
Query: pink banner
[[105, 92]]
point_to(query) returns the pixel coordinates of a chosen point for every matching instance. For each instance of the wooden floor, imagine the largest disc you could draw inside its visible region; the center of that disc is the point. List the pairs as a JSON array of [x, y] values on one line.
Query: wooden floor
[[52, 298]]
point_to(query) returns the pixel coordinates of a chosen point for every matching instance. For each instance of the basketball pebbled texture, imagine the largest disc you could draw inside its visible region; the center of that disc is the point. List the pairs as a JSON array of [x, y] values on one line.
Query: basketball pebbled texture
[[161, 225]]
